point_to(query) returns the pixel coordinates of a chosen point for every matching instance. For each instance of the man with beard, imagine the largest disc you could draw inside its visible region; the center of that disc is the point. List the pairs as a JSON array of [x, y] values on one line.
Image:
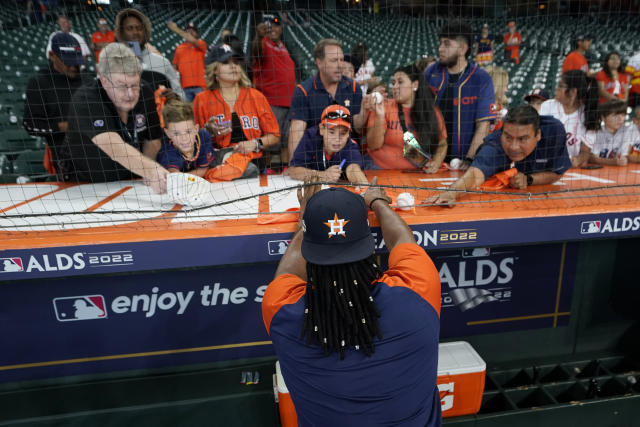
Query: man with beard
[[327, 87], [464, 93], [49, 92], [134, 28]]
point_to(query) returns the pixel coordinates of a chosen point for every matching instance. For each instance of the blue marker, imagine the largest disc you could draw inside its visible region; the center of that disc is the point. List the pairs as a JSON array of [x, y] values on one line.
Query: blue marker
[[342, 163]]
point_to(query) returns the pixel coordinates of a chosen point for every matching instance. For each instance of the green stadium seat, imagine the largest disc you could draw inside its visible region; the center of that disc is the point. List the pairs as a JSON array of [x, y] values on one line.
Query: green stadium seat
[[29, 163], [12, 140]]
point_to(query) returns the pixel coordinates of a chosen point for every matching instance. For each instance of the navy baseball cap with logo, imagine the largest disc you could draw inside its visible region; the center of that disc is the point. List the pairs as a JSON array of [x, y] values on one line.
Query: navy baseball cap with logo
[[336, 228], [67, 48]]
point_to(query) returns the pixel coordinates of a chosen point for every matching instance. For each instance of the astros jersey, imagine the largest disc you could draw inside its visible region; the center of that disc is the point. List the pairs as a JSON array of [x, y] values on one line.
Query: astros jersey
[[252, 109], [396, 386]]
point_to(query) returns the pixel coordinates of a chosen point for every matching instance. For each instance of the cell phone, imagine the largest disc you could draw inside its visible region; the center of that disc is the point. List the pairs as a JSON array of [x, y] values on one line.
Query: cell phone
[[135, 47], [589, 167]]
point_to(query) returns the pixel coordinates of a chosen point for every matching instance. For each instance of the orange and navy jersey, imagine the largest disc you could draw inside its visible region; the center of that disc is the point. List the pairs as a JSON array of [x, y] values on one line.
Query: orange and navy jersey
[[396, 385], [635, 78], [575, 61], [100, 37], [252, 108]]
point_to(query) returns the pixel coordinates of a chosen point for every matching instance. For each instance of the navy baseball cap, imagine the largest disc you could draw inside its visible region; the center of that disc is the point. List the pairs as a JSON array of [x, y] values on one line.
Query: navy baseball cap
[[220, 53], [336, 228], [67, 48], [537, 93]]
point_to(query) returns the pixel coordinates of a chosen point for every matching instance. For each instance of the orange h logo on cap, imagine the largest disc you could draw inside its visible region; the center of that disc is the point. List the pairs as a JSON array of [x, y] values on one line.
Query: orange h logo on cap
[[336, 226]]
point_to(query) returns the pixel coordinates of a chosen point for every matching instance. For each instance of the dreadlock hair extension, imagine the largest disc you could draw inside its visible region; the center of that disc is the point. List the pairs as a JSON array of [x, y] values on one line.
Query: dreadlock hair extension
[[587, 94], [339, 310]]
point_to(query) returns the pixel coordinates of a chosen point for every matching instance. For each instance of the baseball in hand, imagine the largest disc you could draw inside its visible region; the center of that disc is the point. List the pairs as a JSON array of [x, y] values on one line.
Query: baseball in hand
[[405, 201], [455, 164], [376, 98]]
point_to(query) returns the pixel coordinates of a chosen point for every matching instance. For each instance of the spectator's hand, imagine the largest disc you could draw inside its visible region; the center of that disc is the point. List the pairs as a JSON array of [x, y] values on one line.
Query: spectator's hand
[[622, 161], [518, 181], [383, 90], [63, 126], [310, 188], [367, 103], [375, 192], [464, 165], [261, 30], [173, 26], [158, 182], [576, 163], [432, 167], [332, 174], [216, 130], [246, 147], [444, 199]]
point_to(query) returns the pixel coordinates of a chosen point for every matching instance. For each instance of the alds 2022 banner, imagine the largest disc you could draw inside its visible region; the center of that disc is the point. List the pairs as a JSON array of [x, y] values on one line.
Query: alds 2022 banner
[[80, 325]]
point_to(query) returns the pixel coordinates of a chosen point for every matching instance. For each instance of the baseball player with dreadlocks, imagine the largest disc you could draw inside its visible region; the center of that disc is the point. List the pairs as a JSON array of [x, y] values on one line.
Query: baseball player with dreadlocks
[[357, 346]]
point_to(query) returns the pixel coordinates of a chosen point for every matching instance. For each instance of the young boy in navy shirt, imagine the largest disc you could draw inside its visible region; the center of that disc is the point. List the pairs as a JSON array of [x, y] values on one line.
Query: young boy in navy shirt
[[185, 148], [327, 151]]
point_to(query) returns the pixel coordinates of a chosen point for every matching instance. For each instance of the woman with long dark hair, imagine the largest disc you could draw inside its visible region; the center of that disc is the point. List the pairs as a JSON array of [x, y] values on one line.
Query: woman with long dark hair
[[613, 83], [576, 105], [411, 109]]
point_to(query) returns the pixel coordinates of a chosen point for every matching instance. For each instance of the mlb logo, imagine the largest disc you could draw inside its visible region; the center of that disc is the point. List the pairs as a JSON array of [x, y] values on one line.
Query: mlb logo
[[590, 227], [278, 247], [84, 307], [11, 265]]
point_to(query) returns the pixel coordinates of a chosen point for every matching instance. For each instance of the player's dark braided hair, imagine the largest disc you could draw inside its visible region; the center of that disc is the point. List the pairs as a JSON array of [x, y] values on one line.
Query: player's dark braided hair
[[339, 309]]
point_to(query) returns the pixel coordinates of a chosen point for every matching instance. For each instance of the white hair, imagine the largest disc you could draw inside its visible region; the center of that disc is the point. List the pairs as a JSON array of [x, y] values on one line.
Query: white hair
[[118, 58]]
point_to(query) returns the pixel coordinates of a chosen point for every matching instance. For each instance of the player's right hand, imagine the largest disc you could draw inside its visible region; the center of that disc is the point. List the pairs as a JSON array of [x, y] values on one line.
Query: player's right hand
[[375, 192], [444, 199], [333, 173]]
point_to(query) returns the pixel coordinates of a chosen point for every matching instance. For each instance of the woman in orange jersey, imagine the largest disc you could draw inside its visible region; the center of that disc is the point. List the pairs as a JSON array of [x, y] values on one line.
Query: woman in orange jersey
[[235, 114], [411, 109]]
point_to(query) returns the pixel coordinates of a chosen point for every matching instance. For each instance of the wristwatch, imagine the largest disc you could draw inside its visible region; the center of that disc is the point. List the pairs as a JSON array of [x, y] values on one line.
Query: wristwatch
[[529, 179], [258, 145]]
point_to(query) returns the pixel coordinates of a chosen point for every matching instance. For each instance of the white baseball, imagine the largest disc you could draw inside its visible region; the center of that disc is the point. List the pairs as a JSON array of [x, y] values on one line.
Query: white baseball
[[455, 164], [405, 201], [376, 98]]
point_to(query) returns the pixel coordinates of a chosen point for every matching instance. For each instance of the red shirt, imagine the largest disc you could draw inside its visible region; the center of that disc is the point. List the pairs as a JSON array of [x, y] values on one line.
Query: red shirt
[[100, 37], [274, 73], [575, 61], [610, 84], [190, 62], [515, 37]]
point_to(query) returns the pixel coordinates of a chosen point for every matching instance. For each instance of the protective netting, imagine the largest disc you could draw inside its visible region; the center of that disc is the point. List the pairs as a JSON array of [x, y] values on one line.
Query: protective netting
[[63, 164]]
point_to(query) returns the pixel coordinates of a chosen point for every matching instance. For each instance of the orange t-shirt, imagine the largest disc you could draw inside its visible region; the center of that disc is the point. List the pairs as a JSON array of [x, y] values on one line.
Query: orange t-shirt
[[252, 109], [610, 84], [190, 62], [515, 37], [390, 156], [99, 37], [575, 61]]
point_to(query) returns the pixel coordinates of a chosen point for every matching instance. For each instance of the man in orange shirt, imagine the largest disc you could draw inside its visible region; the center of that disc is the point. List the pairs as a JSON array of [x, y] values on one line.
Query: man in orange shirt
[[101, 38], [188, 60], [576, 60], [512, 42]]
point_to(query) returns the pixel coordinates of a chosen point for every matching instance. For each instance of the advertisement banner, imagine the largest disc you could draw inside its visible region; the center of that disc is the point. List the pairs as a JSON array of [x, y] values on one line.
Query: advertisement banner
[[92, 324]]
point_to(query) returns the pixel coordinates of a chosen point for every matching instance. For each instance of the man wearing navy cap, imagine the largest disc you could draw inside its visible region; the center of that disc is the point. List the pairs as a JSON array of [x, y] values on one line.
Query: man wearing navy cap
[[368, 351], [49, 92], [536, 98]]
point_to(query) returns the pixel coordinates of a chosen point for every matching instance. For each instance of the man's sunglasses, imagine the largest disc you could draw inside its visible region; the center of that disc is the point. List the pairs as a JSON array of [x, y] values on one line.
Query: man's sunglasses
[[335, 115]]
